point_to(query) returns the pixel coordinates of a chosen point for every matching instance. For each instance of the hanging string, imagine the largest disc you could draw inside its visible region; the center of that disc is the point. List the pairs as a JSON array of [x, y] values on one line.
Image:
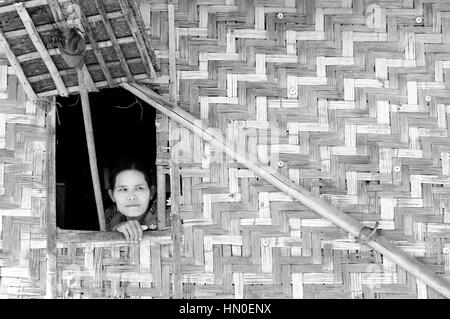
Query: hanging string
[[131, 105], [61, 106], [57, 114], [76, 102], [117, 106]]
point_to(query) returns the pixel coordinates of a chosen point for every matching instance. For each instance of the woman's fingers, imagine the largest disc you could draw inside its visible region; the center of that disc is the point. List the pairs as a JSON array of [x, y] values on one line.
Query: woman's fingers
[[128, 231], [135, 230], [138, 230], [124, 230], [132, 230]]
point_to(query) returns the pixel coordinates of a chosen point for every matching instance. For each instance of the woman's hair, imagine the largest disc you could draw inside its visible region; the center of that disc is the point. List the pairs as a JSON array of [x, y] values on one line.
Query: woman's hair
[[129, 164]]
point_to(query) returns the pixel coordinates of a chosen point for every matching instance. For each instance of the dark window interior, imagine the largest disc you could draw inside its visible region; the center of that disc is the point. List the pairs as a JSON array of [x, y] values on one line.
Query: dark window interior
[[124, 126]]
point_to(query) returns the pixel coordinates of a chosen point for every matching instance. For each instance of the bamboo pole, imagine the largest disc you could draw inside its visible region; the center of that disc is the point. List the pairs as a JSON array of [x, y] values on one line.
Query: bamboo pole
[[50, 216], [161, 196], [174, 163], [326, 210], [172, 52], [175, 223], [91, 149]]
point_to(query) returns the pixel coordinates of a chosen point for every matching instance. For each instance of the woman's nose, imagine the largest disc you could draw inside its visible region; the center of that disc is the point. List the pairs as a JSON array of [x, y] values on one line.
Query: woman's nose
[[131, 196]]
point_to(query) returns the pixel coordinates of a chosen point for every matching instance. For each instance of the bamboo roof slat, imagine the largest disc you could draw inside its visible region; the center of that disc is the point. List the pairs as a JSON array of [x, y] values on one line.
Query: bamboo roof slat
[[57, 13], [51, 26], [27, 4], [104, 84], [113, 39], [138, 7], [137, 35], [96, 49], [17, 68], [40, 47], [56, 51], [49, 17], [94, 68]]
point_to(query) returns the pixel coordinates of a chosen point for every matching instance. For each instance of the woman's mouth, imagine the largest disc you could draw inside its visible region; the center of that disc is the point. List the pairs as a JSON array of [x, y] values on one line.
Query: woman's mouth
[[132, 205]]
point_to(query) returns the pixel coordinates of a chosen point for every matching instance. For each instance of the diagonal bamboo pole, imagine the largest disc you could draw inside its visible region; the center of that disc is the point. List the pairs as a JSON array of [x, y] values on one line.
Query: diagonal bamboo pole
[[91, 148], [326, 210], [84, 84]]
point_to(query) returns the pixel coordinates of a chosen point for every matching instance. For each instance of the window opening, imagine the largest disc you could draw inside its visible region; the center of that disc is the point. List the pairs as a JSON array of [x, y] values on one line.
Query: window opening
[[124, 127]]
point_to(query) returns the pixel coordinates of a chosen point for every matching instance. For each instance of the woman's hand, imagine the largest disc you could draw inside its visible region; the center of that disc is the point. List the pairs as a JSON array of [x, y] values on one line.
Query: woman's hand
[[131, 229]]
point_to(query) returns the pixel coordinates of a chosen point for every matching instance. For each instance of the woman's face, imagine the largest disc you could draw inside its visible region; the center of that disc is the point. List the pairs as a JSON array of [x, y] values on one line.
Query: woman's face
[[131, 193]]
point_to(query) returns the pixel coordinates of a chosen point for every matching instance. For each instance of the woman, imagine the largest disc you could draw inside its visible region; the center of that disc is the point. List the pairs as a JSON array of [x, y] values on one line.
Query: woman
[[134, 196]]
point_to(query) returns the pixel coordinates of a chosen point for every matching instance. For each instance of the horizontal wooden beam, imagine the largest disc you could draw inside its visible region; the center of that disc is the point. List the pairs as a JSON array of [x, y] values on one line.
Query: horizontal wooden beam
[[92, 68], [52, 26], [80, 236], [157, 6], [103, 84], [40, 47], [27, 4], [17, 69], [103, 44], [336, 216]]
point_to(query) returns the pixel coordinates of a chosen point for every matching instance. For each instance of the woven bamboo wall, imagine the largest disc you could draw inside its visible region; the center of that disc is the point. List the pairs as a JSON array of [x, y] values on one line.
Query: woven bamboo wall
[[349, 99], [23, 144]]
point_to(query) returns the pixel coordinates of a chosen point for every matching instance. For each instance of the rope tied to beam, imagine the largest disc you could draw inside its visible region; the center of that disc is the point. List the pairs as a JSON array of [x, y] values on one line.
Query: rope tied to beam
[[368, 234]]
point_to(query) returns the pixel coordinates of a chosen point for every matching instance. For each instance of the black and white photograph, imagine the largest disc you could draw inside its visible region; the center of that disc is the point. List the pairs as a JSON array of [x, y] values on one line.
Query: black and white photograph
[[241, 151]]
